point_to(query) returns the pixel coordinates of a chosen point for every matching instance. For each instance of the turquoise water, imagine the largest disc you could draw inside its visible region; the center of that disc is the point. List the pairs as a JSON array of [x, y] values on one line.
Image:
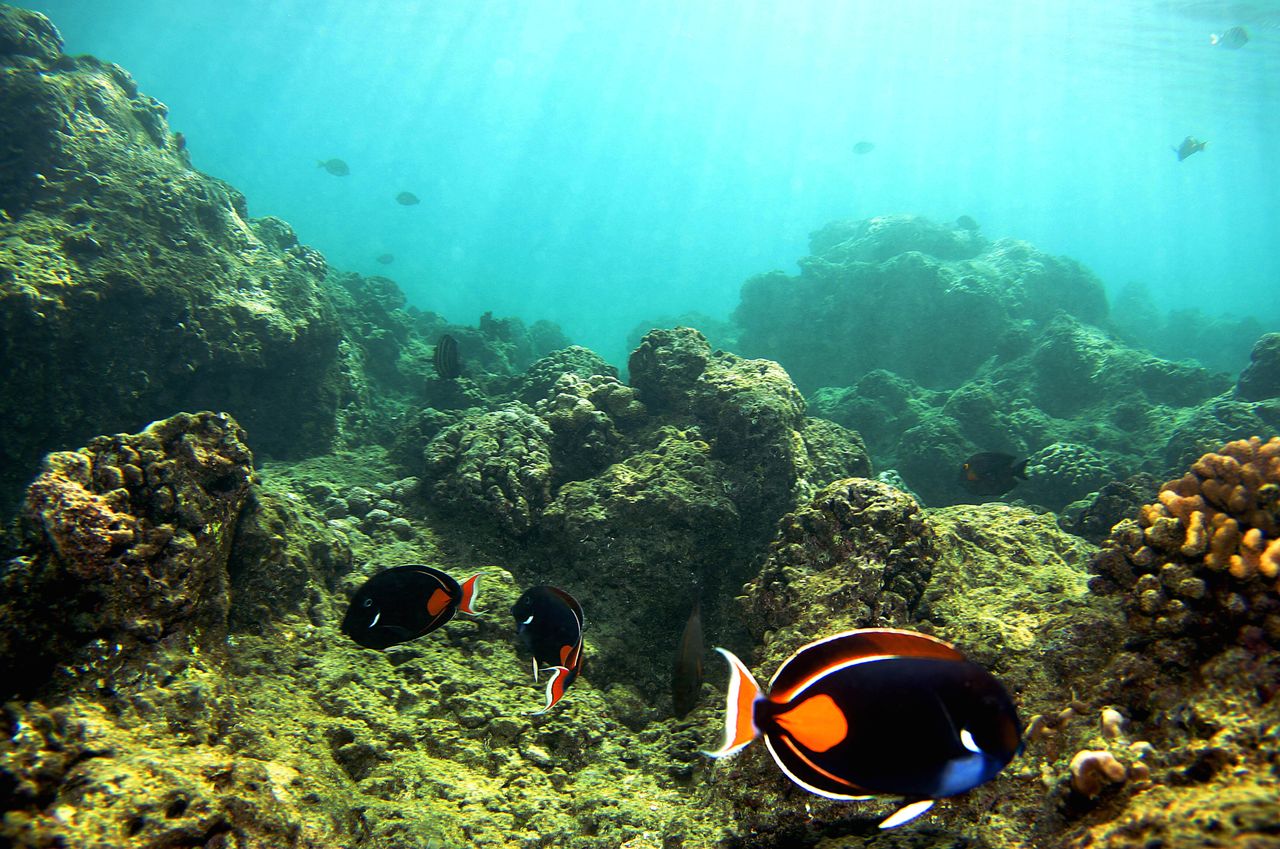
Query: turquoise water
[[602, 163]]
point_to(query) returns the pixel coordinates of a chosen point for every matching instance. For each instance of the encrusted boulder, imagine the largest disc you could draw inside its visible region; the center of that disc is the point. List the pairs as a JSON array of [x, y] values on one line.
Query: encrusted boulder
[[124, 545], [496, 464], [859, 554], [1064, 472], [1261, 378], [586, 416]]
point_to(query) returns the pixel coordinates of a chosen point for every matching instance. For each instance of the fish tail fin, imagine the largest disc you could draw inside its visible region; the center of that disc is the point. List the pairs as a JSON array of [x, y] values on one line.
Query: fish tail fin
[[1020, 469], [739, 717], [470, 590], [557, 683]]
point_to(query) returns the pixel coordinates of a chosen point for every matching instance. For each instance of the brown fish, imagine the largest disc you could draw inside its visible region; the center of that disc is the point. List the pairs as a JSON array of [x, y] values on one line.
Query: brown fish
[[407, 199], [336, 167], [686, 673]]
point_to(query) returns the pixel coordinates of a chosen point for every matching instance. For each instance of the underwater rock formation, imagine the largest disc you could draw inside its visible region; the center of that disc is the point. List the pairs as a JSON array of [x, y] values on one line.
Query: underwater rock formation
[[1261, 378], [924, 301], [124, 547], [132, 286]]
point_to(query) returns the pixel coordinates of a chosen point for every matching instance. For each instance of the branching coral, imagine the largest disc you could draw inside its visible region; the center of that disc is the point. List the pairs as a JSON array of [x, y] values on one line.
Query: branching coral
[[1204, 559]]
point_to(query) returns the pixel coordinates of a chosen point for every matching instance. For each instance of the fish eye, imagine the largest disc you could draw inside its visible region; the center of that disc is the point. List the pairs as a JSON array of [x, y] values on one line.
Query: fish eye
[[368, 602]]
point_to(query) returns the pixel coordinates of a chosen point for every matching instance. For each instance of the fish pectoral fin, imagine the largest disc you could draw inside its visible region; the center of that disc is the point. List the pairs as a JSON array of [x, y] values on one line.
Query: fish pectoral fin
[[907, 813]]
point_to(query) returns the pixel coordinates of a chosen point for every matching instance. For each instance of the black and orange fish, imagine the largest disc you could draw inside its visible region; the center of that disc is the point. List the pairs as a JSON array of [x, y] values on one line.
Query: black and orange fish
[[405, 602], [549, 623], [877, 712], [992, 473]]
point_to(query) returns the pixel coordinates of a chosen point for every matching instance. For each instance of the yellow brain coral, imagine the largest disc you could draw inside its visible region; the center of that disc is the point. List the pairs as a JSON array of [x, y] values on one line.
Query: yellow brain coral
[[1206, 554]]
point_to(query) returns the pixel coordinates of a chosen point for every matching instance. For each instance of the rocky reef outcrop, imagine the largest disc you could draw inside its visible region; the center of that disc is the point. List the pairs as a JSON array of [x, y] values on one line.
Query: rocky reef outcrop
[[934, 345], [131, 285]]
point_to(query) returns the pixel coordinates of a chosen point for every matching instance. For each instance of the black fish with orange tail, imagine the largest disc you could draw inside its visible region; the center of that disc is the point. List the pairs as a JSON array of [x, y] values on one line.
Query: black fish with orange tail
[[992, 473], [877, 712], [549, 623], [405, 602]]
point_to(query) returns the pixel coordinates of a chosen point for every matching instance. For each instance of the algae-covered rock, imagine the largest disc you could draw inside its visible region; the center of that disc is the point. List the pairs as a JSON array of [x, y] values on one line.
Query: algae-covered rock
[[858, 555], [497, 465], [124, 543], [586, 415], [132, 286]]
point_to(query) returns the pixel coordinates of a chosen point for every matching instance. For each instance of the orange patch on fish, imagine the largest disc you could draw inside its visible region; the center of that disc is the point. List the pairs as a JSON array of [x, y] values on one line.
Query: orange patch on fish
[[818, 724], [438, 602]]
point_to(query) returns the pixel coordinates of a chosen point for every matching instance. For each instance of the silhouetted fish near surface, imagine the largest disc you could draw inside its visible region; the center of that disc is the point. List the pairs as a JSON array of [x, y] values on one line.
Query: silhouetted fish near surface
[[992, 473], [877, 712], [1189, 146], [1232, 39], [336, 167], [862, 148], [445, 359], [549, 623], [686, 674], [407, 199], [386, 259], [405, 602]]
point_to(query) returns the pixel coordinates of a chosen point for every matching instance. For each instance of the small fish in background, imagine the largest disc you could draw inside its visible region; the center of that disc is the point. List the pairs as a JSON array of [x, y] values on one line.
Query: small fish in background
[[445, 359], [1232, 39], [336, 167], [405, 602], [964, 222], [386, 259], [876, 712], [549, 624], [992, 473], [686, 673], [1189, 146], [179, 142], [862, 148], [407, 199]]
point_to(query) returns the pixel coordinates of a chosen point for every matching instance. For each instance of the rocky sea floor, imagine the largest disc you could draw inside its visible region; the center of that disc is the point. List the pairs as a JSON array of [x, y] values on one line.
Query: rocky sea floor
[[171, 666]]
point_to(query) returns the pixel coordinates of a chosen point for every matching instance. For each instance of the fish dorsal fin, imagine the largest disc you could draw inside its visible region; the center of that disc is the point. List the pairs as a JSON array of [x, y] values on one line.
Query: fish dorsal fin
[[811, 661], [907, 813]]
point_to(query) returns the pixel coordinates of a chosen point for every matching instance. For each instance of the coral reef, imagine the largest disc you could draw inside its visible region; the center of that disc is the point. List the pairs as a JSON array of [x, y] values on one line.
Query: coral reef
[[1199, 567]]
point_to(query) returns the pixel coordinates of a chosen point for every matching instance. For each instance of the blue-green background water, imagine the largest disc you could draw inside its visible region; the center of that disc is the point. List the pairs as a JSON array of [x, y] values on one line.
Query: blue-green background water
[[599, 163]]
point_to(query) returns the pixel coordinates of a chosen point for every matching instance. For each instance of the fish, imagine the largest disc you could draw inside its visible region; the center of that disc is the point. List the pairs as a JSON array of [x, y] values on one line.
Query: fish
[[1232, 39], [964, 222], [386, 259], [864, 147], [992, 473], [407, 199], [445, 359], [686, 673], [179, 142], [405, 602], [336, 167], [1189, 146], [876, 712], [549, 624]]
